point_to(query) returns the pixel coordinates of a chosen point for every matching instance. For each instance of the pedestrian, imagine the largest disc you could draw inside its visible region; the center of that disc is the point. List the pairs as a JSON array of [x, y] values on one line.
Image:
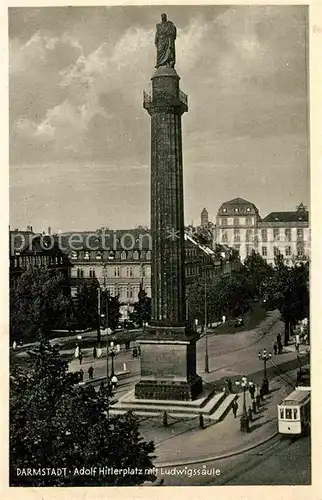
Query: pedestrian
[[80, 357], [235, 408], [139, 350], [90, 373], [279, 343], [114, 381], [94, 352], [76, 354], [224, 319], [14, 345], [230, 386], [275, 348], [81, 375], [297, 342], [252, 391]]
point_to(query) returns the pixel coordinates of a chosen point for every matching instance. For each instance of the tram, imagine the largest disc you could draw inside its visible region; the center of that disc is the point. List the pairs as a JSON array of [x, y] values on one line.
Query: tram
[[294, 413]]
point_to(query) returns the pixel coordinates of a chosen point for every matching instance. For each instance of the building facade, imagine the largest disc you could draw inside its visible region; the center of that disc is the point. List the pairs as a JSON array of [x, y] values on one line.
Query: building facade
[[240, 226], [31, 250], [125, 264]]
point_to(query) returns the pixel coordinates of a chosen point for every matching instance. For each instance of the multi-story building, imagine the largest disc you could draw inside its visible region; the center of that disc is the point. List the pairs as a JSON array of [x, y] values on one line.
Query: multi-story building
[[121, 261], [239, 225], [29, 249], [287, 233]]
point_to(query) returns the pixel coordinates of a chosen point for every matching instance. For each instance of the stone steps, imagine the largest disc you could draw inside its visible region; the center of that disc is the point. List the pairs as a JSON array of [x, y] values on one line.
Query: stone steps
[[220, 413], [216, 407]]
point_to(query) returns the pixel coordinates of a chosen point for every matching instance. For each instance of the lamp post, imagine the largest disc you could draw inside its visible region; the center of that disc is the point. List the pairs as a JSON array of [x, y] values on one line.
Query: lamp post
[[244, 420], [265, 356], [112, 351], [206, 334]]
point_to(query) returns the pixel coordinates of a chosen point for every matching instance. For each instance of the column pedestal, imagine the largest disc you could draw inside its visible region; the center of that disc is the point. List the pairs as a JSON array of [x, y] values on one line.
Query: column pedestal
[[168, 365]]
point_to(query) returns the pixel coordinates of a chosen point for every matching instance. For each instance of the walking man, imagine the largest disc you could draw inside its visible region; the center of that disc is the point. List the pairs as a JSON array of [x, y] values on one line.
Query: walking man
[[94, 352], [235, 408], [114, 382], [279, 343], [252, 391], [81, 375], [90, 373], [297, 342], [80, 357], [230, 386], [275, 348]]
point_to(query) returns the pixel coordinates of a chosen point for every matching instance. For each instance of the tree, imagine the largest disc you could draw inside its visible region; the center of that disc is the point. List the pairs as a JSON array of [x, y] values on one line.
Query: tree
[[288, 290], [258, 272], [142, 308], [113, 308], [38, 301], [57, 424], [85, 308]]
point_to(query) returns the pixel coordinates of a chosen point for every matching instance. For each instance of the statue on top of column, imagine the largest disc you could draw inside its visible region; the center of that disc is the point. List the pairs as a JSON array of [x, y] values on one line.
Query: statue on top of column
[[165, 43]]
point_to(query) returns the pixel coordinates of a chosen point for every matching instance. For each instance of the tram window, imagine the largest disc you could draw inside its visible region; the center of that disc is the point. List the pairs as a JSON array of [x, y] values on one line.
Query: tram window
[[288, 414], [281, 413], [295, 414]]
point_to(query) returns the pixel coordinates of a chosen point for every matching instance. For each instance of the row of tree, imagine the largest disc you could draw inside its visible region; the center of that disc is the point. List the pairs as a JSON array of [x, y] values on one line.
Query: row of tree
[[40, 299], [277, 287]]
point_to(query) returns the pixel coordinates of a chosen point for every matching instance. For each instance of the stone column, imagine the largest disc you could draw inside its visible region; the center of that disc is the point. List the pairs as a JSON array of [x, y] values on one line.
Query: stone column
[[168, 358]]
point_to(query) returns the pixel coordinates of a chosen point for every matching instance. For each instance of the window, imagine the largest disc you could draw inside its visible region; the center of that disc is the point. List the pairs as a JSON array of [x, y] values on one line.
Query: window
[[135, 255], [299, 234], [276, 234], [86, 256], [80, 273], [73, 256], [116, 271], [224, 237], [264, 251], [264, 235], [300, 250], [143, 272], [248, 250], [236, 210], [148, 255], [236, 235], [131, 272], [288, 413], [249, 235], [249, 221], [248, 209], [222, 222], [236, 221], [92, 273], [288, 235], [287, 251], [295, 413], [123, 255], [98, 256], [224, 210], [276, 251], [282, 413]]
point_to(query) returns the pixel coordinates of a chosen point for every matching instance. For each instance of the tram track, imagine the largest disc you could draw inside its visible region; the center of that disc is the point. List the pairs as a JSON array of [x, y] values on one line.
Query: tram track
[[254, 458]]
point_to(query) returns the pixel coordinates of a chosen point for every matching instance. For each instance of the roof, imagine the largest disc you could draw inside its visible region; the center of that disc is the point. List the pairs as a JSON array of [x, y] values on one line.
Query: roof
[[295, 216], [296, 397], [238, 201], [238, 205]]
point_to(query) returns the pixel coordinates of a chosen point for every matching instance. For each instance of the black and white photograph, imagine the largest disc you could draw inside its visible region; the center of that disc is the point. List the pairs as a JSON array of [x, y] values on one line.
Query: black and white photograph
[[159, 246]]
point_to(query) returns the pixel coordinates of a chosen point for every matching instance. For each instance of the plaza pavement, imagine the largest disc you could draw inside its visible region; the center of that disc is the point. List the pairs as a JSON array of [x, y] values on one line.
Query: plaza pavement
[[230, 356]]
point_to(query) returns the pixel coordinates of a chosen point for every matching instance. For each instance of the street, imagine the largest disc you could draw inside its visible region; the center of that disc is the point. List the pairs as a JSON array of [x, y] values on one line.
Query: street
[[278, 462]]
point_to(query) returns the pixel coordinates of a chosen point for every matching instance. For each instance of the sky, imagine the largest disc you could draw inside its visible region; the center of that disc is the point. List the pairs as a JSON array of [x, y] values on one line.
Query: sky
[[80, 138]]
